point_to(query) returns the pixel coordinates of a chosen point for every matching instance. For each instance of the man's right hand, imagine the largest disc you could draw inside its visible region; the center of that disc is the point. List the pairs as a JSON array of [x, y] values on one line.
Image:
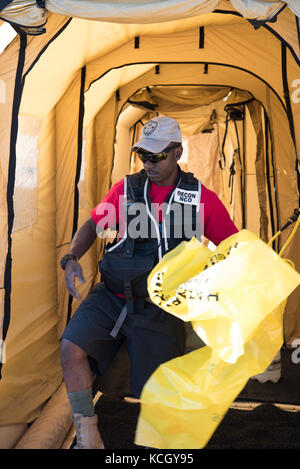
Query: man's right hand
[[73, 270]]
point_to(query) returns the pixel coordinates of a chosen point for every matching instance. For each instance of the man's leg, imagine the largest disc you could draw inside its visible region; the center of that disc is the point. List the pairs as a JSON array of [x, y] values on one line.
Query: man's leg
[[78, 381], [76, 368], [153, 337], [87, 335]]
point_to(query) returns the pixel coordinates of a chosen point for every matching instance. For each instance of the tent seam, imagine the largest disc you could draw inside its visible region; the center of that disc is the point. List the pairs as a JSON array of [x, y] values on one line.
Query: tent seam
[[61, 30], [294, 54], [19, 84], [286, 94], [269, 28], [78, 167]]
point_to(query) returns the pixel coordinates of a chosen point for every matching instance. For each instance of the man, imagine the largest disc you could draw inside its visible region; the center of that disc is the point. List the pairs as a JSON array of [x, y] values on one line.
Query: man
[[153, 211]]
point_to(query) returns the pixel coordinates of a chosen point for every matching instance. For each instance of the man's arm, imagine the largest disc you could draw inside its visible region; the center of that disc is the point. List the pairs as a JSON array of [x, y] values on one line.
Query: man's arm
[[83, 238], [81, 242], [87, 233]]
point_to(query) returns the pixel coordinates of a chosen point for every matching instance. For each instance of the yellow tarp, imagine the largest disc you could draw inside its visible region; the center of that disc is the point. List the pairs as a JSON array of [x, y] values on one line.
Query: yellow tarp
[[235, 299]]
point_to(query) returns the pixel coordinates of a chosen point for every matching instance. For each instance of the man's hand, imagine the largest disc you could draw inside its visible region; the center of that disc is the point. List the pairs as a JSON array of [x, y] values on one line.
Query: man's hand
[[82, 241], [73, 270]]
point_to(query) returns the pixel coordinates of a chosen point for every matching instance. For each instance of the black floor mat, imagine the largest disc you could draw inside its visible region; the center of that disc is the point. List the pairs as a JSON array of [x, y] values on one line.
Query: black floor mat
[[265, 427], [286, 391]]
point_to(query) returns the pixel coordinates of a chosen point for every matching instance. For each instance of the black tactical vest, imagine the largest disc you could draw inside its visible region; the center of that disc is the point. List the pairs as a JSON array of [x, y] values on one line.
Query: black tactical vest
[[126, 264]]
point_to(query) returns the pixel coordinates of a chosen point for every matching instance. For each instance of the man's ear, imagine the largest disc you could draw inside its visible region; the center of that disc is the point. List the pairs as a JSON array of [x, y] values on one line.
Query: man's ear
[[178, 153]]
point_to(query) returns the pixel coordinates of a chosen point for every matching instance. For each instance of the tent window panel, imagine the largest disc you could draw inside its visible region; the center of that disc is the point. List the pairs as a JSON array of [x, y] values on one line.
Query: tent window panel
[[203, 154], [26, 177]]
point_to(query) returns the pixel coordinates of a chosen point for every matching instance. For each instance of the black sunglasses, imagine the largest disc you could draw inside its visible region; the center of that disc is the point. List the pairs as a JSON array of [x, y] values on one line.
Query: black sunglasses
[[155, 157]]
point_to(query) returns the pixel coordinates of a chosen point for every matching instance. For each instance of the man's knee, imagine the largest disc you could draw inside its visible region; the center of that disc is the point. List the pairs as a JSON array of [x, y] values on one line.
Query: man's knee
[[71, 352]]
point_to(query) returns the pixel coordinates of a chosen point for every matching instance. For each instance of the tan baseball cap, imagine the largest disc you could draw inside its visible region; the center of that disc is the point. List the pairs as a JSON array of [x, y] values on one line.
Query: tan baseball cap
[[158, 133]]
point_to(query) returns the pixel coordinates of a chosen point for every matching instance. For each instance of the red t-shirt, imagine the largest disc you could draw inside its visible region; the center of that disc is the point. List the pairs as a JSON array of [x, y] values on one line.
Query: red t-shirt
[[217, 222]]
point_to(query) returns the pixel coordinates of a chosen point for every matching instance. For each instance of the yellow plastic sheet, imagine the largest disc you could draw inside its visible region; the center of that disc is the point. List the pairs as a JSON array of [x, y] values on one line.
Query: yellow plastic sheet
[[234, 298]]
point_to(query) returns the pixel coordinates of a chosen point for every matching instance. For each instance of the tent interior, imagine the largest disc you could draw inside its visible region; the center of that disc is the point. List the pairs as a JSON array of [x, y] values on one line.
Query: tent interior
[[73, 101]]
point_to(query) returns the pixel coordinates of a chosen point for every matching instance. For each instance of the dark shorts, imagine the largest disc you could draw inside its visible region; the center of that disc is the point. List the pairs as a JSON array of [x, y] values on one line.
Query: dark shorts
[[152, 335]]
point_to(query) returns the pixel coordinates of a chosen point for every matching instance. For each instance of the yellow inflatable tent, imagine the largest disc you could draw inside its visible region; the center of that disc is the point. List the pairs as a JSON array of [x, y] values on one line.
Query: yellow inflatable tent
[[76, 83]]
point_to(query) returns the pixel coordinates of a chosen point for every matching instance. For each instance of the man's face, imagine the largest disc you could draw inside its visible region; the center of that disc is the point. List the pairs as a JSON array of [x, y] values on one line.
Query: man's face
[[164, 173]]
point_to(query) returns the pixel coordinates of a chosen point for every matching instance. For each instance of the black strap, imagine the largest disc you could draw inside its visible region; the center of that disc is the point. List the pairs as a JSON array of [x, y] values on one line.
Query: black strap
[[189, 178], [231, 176], [122, 316], [129, 307], [135, 186], [129, 247], [131, 182], [129, 296], [222, 157], [234, 112], [119, 323], [291, 219], [139, 303]]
